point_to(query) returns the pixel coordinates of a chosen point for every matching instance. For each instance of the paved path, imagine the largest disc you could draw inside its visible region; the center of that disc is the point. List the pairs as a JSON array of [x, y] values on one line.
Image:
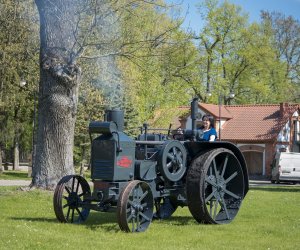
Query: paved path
[[15, 182]]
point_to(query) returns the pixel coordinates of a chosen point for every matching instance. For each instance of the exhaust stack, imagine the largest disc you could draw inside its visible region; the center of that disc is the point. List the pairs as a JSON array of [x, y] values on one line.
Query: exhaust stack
[[194, 109], [116, 116]]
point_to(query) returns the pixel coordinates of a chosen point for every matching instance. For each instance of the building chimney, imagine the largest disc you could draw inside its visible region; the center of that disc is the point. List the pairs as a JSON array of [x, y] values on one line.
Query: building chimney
[[283, 108]]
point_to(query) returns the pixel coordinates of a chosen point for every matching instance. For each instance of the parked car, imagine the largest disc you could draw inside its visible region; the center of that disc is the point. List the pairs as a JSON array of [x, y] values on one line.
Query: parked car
[[286, 167]]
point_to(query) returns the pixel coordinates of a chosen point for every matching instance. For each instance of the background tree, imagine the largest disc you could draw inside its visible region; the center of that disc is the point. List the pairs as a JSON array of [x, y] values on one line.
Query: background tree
[[156, 57], [90, 108], [238, 55], [18, 55], [286, 41]]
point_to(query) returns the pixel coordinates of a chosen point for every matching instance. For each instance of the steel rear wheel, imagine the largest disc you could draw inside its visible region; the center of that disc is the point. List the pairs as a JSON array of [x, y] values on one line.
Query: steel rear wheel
[[135, 207], [71, 199], [215, 187]]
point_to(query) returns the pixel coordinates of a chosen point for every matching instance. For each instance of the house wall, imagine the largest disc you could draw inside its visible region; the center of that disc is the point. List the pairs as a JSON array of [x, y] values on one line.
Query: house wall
[[254, 154], [295, 133], [267, 151], [270, 154], [288, 139], [285, 133], [218, 128]]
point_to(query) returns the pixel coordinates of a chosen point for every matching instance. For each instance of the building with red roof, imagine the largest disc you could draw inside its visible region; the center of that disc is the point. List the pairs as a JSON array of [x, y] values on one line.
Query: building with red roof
[[258, 130]]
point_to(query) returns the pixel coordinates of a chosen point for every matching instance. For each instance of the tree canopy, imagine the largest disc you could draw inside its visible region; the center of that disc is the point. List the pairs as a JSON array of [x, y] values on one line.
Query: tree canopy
[[135, 56]]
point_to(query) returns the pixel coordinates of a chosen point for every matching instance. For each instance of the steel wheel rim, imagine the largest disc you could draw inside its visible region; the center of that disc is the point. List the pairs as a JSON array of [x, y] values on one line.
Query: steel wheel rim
[[223, 188], [135, 207], [71, 199]]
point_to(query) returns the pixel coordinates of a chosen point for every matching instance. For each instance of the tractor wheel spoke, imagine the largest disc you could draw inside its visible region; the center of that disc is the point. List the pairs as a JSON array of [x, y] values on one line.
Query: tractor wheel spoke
[[210, 196], [225, 208], [215, 168], [142, 196], [231, 177], [224, 166], [211, 182], [231, 194]]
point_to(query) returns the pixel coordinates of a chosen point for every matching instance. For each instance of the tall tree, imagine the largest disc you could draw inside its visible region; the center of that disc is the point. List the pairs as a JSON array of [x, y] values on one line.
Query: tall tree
[[240, 56], [18, 54], [58, 91], [286, 31], [158, 64], [286, 40], [90, 108]]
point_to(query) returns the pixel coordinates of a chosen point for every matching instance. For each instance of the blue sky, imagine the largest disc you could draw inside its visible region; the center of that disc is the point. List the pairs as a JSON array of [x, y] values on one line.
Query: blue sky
[[252, 7]]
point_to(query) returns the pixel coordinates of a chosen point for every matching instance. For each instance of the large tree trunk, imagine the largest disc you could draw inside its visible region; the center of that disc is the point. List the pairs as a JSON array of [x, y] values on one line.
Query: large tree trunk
[[16, 161], [58, 93]]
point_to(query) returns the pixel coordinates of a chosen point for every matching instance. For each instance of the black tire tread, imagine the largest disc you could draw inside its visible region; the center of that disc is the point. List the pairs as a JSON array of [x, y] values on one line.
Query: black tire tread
[[196, 185], [195, 178]]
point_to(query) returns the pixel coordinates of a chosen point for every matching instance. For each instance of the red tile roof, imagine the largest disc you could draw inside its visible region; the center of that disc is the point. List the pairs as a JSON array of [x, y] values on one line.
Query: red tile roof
[[214, 110], [256, 122]]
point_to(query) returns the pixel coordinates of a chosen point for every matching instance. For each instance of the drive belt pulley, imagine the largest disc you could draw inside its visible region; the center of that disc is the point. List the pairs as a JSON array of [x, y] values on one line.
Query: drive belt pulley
[[172, 160]]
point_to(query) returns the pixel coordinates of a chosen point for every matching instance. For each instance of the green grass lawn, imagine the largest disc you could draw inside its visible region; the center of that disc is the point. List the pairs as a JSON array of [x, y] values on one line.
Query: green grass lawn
[[14, 175], [23, 175], [268, 219]]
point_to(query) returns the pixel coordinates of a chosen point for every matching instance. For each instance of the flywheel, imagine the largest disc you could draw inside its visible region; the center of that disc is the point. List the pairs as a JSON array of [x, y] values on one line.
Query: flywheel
[[172, 160]]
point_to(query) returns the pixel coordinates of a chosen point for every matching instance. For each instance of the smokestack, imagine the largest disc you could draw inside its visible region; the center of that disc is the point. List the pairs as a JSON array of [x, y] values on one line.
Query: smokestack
[[194, 109], [116, 116]]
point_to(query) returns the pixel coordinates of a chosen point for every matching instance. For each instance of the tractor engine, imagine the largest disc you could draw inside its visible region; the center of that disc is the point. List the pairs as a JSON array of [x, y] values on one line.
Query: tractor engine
[[113, 152]]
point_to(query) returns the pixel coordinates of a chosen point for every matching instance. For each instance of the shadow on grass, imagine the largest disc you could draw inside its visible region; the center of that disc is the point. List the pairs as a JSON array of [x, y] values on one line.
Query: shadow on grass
[[178, 220], [107, 221], [277, 189], [35, 219]]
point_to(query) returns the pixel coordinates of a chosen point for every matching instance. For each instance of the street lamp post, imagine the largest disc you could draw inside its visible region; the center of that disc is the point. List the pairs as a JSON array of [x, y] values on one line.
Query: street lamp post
[[231, 96], [16, 152], [22, 84], [34, 130], [220, 107]]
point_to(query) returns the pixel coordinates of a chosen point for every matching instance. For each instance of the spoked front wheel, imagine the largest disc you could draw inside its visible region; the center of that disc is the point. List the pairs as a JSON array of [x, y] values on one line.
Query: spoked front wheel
[[71, 199], [215, 187], [135, 207]]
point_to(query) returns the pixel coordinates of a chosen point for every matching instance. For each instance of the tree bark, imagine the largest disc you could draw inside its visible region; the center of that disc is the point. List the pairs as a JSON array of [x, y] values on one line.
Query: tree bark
[[58, 93], [1, 162], [16, 162]]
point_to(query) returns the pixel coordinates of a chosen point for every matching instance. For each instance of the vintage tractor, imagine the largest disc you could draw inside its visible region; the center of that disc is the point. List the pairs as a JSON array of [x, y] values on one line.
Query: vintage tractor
[[151, 176]]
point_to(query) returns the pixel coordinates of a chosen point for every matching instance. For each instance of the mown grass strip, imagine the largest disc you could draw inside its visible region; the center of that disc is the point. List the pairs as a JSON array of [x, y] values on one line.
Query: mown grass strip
[[268, 219], [14, 175]]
